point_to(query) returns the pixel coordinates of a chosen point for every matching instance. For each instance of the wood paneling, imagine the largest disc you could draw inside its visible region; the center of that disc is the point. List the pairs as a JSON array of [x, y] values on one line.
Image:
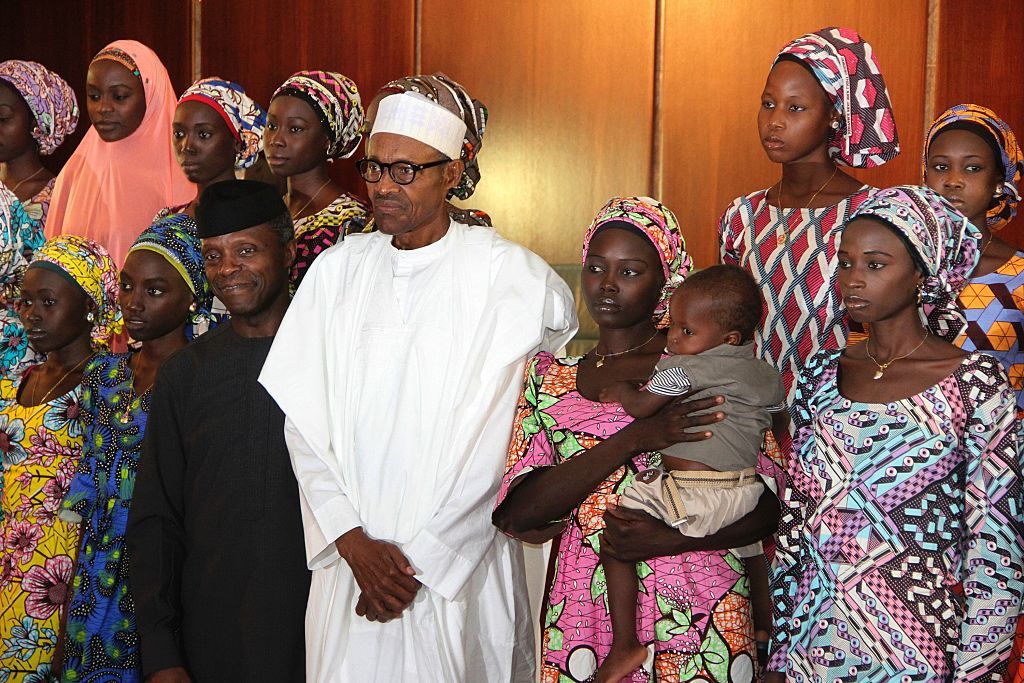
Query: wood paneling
[[569, 88], [717, 56], [979, 60], [64, 35], [261, 42]]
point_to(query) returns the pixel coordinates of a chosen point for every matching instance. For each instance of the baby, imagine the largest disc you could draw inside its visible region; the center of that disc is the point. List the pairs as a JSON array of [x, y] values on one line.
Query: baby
[[705, 485]]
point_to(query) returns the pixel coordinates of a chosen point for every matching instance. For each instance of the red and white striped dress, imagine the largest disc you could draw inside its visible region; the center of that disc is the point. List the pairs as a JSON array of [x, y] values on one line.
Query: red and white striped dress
[[792, 255]]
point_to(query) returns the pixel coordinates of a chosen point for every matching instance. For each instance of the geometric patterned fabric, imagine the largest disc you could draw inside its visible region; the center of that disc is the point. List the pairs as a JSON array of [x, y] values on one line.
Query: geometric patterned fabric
[[889, 507], [993, 305]]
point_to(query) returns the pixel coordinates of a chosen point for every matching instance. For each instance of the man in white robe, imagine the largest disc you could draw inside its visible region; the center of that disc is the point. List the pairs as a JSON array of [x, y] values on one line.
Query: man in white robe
[[398, 367]]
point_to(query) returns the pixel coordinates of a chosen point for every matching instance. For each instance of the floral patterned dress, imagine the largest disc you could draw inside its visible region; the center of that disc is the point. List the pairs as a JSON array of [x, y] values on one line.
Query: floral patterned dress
[[102, 643], [25, 234], [41, 447], [693, 613]]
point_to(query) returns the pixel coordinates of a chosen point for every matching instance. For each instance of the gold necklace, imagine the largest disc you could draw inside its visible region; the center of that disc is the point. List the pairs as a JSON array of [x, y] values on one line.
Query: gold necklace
[[988, 244], [295, 216], [126, 411], [784, 235], [882, 367], [24, 180], [46, 396], [602, 356]]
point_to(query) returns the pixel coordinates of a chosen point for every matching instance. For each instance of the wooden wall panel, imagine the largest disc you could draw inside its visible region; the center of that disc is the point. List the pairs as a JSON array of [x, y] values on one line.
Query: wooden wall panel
[[260, 43], [569, 87], [983, 68], [717, 56], [64, 35]]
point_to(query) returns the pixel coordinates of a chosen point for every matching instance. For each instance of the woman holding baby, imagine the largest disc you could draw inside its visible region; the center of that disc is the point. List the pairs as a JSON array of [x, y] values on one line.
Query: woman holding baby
[[572, 455]]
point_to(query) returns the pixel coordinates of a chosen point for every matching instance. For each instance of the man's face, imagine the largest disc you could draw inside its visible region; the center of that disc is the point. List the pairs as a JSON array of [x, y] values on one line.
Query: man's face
[[399, 209], [248, 269]]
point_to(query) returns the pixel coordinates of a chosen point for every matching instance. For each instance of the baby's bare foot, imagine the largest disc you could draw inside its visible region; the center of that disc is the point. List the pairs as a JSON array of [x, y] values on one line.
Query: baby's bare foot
[[621, 661]]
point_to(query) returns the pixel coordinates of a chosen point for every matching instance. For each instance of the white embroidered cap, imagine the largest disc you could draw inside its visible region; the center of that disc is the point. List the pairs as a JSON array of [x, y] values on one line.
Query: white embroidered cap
[[420, 118]]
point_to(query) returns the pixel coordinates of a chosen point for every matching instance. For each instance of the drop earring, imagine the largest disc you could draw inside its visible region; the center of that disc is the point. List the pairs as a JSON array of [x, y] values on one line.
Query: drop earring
[[920, 292], [90, 317], [193, 307]]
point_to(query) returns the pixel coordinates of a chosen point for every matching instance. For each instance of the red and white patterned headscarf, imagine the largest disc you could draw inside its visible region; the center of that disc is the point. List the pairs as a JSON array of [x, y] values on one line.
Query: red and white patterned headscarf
[[845, 66], [245, 118]]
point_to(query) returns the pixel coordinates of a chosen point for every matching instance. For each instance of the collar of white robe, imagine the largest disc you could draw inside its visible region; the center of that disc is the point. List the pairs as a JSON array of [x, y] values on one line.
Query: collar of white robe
[[420, 118]]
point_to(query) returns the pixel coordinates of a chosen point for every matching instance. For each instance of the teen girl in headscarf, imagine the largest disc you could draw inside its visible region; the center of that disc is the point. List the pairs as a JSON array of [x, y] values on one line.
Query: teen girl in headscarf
[[124, 170]]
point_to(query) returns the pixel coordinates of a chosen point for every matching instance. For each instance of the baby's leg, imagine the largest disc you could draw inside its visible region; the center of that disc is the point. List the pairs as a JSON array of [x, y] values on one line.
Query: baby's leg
[[761, 602], [627, 654]]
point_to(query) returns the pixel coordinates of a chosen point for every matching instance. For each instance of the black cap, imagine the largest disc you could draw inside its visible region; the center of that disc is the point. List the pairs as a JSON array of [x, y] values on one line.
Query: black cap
[[233, 205]]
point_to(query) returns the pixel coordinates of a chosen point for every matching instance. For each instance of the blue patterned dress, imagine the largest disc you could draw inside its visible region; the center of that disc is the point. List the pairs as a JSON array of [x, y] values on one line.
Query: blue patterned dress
[[889, 507], [101, 642], [21, 233]]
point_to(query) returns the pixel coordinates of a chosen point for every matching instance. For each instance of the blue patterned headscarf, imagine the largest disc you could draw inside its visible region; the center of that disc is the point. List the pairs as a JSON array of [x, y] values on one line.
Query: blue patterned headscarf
[[944, 242], [1007, 153], [174, 238]]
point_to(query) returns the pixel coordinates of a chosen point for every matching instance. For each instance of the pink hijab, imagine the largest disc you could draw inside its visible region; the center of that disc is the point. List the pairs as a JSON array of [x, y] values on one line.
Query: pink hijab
[[109, 191]]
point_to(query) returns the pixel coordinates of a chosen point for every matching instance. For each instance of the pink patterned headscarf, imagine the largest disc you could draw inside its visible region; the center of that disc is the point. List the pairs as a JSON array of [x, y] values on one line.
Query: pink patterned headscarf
[[655, 221], [336, 102], [845, 66], [48, 96]]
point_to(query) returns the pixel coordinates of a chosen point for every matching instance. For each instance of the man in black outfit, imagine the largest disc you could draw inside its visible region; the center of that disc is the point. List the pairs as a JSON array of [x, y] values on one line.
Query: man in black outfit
[[218, 566]]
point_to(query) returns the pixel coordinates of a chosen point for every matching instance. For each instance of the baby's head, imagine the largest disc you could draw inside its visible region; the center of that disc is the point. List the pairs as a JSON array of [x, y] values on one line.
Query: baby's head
[[717, 305]]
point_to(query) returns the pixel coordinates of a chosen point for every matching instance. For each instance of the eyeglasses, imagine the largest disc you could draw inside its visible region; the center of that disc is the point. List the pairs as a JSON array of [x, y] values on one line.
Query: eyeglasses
[[402, 172]]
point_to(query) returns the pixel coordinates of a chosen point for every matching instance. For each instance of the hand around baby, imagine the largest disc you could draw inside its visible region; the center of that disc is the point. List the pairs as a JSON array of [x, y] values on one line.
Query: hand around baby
[[675, 423], [616, 392]]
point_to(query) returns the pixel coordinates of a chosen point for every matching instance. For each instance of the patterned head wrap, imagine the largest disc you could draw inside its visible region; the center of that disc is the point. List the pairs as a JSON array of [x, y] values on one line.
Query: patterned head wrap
[[655, 221], [943, 241], [174, 238], [88, 265], [48, 96], [335, 99], [245, 118], [455, 99], [1005, 205], [845, 66], [121, 56]]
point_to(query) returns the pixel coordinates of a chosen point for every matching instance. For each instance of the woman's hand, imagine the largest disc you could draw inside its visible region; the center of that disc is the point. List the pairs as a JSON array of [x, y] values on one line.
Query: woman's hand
[[635, 536], [674, 423], [552, 492]]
